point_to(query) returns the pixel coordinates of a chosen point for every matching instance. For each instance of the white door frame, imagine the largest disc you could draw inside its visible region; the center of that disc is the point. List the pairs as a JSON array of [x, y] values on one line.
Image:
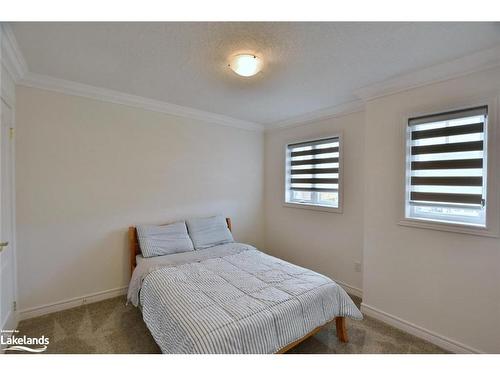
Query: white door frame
[[7, 95]]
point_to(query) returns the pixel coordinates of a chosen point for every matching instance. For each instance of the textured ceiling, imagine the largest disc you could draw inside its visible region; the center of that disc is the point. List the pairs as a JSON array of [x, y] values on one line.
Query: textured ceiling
[[308, 66]]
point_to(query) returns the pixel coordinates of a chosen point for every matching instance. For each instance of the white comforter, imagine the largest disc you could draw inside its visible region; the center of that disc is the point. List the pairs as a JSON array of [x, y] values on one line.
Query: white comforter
[[233, 299]]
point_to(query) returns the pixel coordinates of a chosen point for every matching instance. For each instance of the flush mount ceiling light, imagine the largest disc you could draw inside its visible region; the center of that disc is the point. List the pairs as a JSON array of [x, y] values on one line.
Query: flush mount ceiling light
[[245, 65]]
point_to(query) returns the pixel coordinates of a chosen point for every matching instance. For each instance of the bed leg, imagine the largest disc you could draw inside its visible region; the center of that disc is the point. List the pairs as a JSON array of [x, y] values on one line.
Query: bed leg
[[340, 323]]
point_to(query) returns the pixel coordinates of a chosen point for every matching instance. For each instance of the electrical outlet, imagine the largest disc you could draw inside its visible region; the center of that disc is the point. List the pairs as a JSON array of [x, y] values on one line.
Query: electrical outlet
[[357, 266], [84, 301]]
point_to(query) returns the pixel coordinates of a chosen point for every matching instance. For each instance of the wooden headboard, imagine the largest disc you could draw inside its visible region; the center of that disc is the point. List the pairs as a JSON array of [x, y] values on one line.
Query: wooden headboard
[[135, 249]]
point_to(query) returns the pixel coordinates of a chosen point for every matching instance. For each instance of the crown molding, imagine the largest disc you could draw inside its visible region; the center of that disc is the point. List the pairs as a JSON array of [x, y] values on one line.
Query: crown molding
[[476, 62], [15, 63], [479, 61], [321, 114], [99, 93], [12, 58]]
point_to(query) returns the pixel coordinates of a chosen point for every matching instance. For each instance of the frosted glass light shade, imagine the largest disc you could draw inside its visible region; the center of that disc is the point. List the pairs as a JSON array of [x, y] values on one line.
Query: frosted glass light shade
[[245, 65]]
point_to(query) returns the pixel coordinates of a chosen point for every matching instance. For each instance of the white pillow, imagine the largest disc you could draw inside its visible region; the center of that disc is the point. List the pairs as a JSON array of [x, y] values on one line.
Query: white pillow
[[156, 240], [208, 232]]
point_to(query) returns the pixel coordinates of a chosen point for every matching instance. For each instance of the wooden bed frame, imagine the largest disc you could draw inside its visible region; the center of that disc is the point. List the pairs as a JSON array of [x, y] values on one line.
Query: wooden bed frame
[[340, 321]]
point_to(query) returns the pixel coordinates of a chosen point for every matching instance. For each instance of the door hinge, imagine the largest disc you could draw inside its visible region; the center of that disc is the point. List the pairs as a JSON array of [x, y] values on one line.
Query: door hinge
[[14, 306], [11, 133]]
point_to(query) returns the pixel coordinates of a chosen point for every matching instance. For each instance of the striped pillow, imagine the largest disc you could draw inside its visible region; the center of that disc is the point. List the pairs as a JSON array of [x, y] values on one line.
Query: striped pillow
[[156, 240], [208, 232]]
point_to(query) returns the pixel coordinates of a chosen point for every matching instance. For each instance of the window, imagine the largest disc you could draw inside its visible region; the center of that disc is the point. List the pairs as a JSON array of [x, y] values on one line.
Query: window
[[446, 179], [313, 173]]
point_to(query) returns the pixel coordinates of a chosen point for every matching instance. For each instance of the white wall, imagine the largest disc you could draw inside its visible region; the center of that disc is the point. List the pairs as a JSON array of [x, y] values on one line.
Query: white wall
[[326, 242], [447, 283], [86, 170]]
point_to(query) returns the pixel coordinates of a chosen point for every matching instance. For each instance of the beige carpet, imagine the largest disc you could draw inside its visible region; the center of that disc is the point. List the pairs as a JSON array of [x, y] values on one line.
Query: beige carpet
[[112, 327]]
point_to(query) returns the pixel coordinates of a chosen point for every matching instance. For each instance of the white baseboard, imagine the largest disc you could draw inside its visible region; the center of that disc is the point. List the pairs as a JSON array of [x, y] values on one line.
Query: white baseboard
[[351, 289], [423, 333], [70, 303]]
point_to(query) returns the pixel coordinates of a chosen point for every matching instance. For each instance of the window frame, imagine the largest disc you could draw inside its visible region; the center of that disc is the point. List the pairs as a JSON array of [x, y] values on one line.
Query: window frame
[[492, 148], [308, 206]]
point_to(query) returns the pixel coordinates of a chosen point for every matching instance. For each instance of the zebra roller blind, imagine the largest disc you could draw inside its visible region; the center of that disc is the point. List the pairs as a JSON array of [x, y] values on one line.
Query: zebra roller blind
[[446, 166], [313, 172]]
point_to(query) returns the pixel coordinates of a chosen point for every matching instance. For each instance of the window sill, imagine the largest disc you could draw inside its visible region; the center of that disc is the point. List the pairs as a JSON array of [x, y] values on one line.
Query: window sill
[[306, 206], [445, 227]]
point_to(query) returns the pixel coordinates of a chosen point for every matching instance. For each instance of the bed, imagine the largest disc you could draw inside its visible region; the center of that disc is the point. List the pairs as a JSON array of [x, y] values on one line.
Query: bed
[[233, 298]]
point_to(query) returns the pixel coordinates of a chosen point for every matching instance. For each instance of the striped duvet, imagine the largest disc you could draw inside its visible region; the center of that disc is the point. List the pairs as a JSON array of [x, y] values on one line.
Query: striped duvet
[[234, 299]]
